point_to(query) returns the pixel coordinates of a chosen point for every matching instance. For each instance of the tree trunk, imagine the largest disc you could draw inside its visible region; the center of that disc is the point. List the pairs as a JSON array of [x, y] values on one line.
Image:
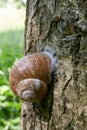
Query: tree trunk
[[61, 25]]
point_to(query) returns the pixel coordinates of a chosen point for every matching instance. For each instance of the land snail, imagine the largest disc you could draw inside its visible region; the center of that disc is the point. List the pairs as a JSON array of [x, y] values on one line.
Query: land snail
[[31, 75]]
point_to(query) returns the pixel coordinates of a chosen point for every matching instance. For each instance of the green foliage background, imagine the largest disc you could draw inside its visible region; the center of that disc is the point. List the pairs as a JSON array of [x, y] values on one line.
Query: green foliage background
[[11, 49], [17, 3]]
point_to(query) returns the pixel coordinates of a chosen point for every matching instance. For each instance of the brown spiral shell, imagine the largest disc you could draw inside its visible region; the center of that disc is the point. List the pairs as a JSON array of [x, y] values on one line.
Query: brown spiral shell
[[30, 77]]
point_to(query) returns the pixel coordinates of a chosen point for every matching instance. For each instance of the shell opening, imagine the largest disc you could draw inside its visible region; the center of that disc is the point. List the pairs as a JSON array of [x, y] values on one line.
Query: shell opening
[[52, 55]]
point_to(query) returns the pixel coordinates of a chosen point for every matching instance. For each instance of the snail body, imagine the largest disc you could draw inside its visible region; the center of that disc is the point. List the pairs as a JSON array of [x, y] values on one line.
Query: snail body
[[30, 77]]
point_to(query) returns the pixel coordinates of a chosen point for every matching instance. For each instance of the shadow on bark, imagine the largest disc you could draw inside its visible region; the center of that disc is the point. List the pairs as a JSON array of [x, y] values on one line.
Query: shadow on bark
[[43, 109]]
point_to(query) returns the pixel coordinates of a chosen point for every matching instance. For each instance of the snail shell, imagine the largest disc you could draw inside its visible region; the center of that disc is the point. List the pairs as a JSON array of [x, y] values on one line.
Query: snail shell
[[30, 77]]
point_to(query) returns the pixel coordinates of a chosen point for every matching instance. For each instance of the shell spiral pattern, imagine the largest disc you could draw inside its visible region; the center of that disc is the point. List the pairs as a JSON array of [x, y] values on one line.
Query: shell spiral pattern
[[30, 76]]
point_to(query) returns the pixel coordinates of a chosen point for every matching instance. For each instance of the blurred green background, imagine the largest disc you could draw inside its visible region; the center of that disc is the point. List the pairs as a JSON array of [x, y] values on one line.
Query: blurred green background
[[12, 17]]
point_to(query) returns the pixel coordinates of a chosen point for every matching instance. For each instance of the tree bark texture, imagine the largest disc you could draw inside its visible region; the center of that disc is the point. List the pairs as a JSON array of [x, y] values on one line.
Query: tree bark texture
[[62, 25]]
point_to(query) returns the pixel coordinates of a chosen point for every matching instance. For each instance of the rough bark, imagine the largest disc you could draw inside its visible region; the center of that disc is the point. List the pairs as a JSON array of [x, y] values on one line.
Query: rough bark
[[62, 25]]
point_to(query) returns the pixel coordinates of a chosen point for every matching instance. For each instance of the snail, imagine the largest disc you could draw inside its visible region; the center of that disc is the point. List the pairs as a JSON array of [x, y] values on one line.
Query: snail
[[30, 76]]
